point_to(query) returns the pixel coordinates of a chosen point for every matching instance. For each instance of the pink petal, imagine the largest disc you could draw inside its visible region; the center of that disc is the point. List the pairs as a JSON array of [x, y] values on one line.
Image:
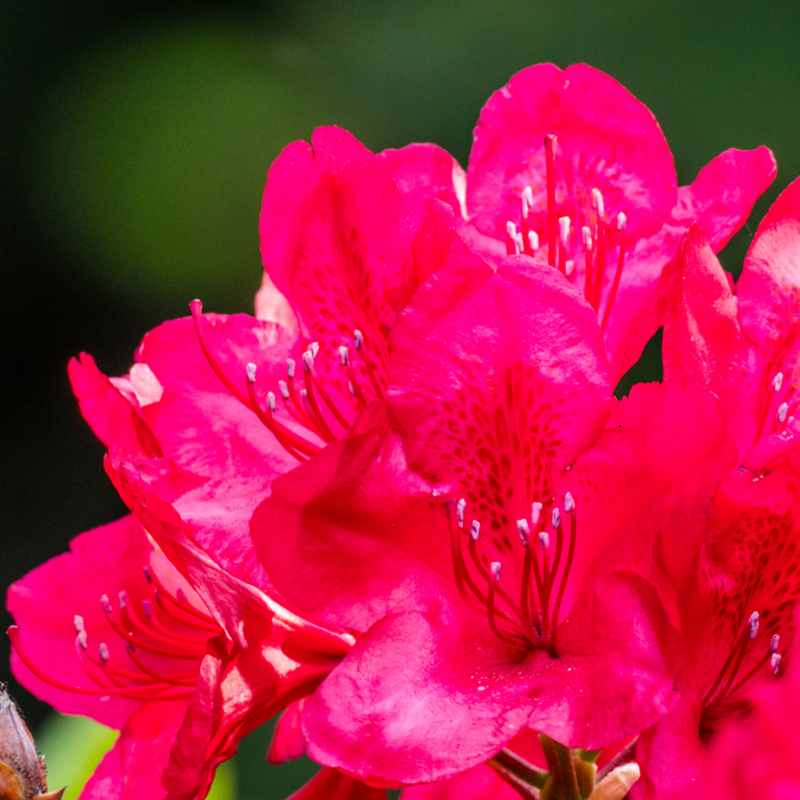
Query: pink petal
[[330, 784], [287, 742], [104, 560], [133, 767], [478, 783], [607, 140], [423, 172], [424, 696], [485, 363]]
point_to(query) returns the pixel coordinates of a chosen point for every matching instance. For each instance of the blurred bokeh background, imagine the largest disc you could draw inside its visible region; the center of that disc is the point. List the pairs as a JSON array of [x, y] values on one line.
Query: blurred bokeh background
[[136, 137]]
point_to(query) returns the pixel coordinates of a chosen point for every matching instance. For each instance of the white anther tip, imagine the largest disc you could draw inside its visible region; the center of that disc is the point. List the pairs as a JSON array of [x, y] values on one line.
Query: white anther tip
[[527, 196], [598, 203], [533, 240], [314, 348], [783, 410], [536, 512], [83, 640], [753, 623], [777, 382], [569, 502], [351, 388], [251, 373], [460, 506], [290, 366], [271, 401], [519, 244], [775, 662], [103, 650], [563, 225], [284, 389], [358, 339], [105, 604], [556, 518], [511, 229], [773, 645], [524, 531], [494, 569], [308, 360], [344, 353], [622, 221], [569, 267], [586, 235], [544, 539], [475, 530], [77, 621], [123, 598]]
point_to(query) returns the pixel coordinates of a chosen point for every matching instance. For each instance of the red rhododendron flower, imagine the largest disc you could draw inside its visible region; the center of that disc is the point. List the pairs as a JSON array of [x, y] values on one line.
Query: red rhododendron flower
[[184, 665], [567, 165], [509, 615], [738, 603], [758, 757]]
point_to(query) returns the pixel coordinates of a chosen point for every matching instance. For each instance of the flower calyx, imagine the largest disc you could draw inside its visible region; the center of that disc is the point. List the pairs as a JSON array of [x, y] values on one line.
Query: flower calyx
[[571, 773]]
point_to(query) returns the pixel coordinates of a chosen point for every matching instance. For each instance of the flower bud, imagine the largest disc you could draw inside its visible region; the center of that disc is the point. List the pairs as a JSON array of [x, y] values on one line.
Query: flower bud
[[22, 775]]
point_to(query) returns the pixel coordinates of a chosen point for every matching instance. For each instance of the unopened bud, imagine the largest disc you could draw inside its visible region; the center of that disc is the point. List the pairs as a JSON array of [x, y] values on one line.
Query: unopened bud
[[617, 783], [22, 774]]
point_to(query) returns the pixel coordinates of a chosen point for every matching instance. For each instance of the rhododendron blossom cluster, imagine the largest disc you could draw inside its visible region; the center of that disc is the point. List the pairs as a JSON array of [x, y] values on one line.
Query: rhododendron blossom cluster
[[403, 506]]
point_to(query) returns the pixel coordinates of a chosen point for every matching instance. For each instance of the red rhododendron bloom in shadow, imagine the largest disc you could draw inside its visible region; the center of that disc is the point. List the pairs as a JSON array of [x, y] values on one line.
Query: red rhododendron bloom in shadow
[[738, 603], [485, 606], [568, 166], [183, 664], [758, 757]]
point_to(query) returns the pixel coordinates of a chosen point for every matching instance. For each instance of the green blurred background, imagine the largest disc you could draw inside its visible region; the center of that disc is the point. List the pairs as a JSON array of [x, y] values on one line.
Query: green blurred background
[[136, 137]]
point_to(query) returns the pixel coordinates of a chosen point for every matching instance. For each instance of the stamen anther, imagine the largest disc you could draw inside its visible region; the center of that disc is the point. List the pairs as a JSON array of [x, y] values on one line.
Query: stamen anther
[[775, 663], [147, 576], [147, 605], [351, 388], [290, 367], [358, 339], [271, 401], [105, 604], [544, 539], [511, 230], [556, 518], [783, 410], [284, 389], [77, 621], [773, 645], [586, 235], [536, 512], [777, 382], [569, 267], [103, 652], [460, 506], [180, 595], [251, 372], [533, 240], [314, 348], [524, 531], [569, 502], [598, 203], [527, 197], [563, 225], [494, 569], [475, 530], [621, 221], [753, 623], [344, 354], [83, 640], [519, 244]]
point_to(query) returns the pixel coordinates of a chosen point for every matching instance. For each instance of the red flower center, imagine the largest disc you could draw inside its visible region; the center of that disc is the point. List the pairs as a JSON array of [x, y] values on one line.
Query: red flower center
[[529, 622], [719, 700], [166, 629], [598, 236], [311, 411]]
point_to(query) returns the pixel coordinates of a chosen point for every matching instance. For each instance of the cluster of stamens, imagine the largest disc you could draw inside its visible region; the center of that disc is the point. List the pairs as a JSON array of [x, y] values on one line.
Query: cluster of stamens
[[779, 405], [311, 406], [166, 626], [530, 621], [596, 238], [725, 685]]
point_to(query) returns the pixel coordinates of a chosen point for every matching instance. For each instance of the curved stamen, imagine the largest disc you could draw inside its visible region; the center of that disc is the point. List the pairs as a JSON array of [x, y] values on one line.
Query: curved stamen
[[737, 652], [552, 219], [322, 425], [569, 508], [621, 222], [494, 583], [178, 679], [180, 601]]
